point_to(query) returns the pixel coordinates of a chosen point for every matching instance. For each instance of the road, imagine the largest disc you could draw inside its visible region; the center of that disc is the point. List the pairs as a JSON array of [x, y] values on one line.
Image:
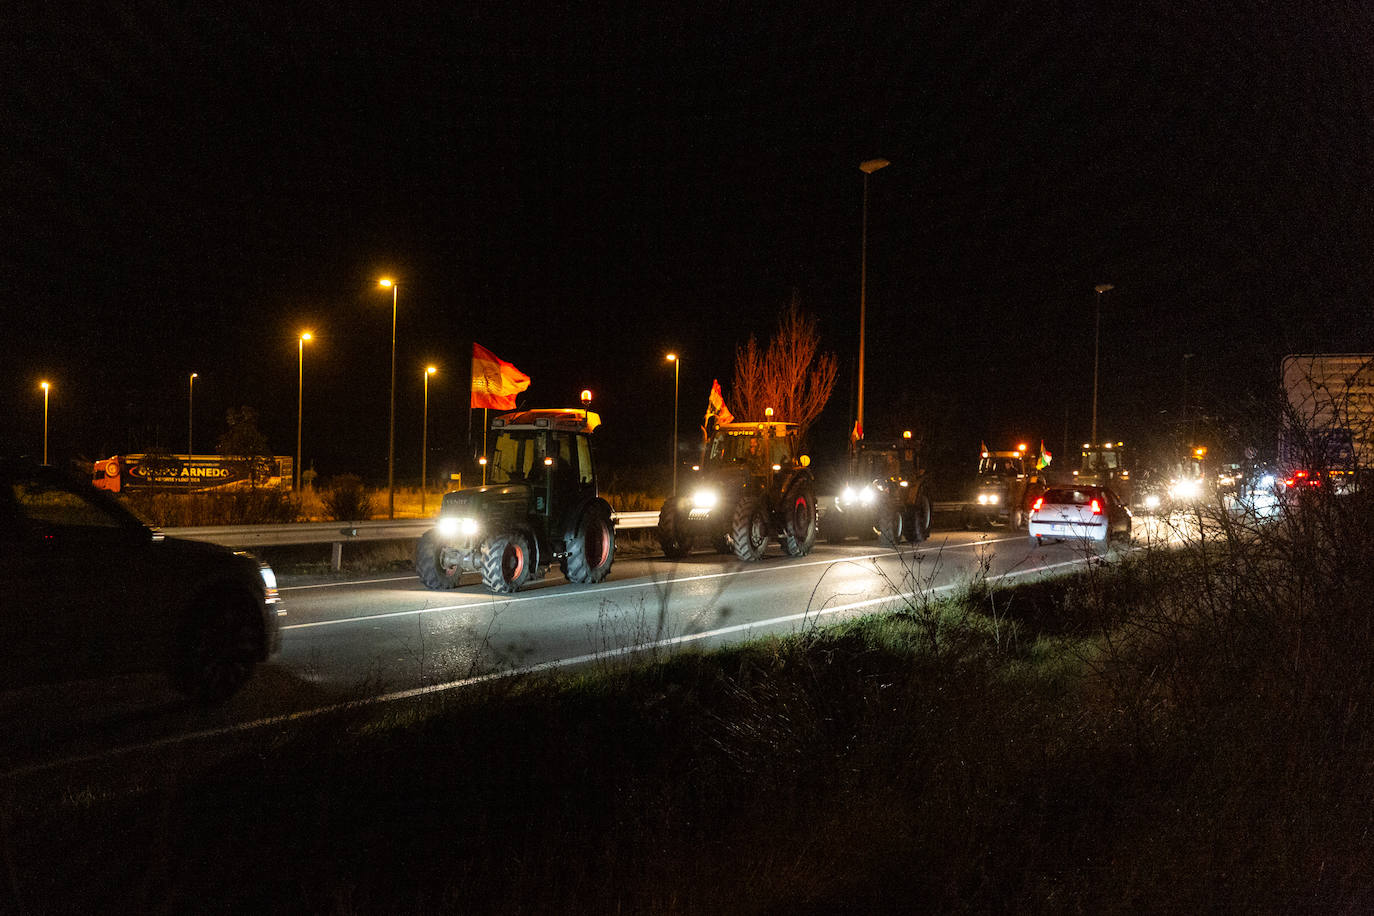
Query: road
[[388, 637]]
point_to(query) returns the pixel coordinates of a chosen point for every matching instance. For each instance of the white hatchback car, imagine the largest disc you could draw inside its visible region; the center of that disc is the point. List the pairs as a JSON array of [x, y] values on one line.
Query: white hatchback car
[[1087, 513]]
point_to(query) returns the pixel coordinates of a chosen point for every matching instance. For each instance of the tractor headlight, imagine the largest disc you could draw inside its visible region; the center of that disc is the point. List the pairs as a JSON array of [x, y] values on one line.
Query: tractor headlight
[[1152, 501], [451, 526], [1185, 489], [849, 496], [988, 499], [866, 496], [704, 499]]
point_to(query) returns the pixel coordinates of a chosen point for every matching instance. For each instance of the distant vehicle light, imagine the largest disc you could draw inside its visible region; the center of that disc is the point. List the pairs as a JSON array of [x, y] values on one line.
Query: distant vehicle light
[[1190, 488], [1266, 482], [705, 499], [1152, 501]]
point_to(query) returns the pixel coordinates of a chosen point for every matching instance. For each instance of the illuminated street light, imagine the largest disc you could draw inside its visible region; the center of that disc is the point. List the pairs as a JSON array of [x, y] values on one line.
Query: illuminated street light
[[1097, 336], [190, 411], [45, 386], [868, 167], [424, 440], [300, 400], [677, 368], [388, 283]]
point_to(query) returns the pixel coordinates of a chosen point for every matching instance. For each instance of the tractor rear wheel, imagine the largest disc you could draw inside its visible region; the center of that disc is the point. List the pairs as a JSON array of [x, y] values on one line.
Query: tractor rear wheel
[[674, 542], [749, 529], [919, 528], [591, 547], [506, 562], [799, 525], [429, 559]]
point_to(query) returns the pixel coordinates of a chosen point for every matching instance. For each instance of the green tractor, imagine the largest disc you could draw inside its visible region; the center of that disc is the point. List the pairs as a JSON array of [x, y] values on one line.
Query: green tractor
[[539, 506], [882, 493], [753, 484]]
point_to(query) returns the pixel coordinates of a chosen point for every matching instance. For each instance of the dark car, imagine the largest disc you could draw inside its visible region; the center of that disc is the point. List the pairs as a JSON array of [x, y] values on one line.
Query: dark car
[[89, 591], [1088, 513]]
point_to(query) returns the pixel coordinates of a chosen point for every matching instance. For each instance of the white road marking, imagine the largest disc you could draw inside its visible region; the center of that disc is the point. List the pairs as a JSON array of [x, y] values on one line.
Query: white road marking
[[545, 594], [532, 669]]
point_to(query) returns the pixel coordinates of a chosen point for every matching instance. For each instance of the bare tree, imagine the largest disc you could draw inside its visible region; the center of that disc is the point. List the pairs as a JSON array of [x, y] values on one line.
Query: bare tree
[[792, 376]]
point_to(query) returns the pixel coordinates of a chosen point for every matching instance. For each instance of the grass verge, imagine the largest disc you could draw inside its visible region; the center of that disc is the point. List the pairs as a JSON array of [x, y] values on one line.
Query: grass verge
[[1184, 731]]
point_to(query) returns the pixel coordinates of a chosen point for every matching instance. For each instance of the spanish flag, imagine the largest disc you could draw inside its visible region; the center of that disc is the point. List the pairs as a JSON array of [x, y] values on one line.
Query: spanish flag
[[715, 405], [495, 382]]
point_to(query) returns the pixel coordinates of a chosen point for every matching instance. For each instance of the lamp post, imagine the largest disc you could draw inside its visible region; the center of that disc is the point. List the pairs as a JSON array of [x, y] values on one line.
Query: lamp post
[[868, 167], [424, 440], [388, 283], [1183, 425], [300, 400], [190, 411], [1097, 336], [45, 386], [677, 368]]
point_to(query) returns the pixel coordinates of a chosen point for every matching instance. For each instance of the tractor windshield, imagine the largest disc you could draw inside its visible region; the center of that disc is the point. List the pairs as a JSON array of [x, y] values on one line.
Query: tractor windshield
[[515, 454]]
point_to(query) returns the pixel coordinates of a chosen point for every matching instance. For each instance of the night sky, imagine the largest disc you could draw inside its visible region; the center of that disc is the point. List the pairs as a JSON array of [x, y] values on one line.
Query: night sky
[[582, 189]]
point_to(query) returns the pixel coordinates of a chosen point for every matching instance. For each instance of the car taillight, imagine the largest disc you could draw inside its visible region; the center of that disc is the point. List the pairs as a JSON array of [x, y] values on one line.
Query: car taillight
[[1039, 500], [1097, 507]]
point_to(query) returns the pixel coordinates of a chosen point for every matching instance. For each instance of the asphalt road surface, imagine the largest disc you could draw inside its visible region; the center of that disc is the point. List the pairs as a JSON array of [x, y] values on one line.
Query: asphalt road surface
[[388, 637]]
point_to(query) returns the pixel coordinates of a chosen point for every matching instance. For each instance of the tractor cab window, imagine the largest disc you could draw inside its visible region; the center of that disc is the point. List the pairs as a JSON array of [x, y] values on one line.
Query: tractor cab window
[[780, 451], [736, 446], [880, 465], [514, 456], [999, 467], [1101, 461], [584, 460]]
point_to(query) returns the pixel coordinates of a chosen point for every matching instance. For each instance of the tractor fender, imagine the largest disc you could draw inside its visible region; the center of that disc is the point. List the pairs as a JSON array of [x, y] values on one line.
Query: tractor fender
[[575, 513]]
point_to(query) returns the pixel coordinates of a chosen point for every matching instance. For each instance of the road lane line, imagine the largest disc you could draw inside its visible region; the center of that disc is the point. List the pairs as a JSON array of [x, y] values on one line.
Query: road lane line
[[546, 594], [554, 665]]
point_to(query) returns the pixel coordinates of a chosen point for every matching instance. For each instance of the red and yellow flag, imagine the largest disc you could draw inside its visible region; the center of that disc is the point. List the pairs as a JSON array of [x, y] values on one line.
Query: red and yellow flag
[[715, 405], [495, 382]]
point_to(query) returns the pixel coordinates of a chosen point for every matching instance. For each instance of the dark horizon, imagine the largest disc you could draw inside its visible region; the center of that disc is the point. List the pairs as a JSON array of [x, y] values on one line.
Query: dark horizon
[[187, 191]]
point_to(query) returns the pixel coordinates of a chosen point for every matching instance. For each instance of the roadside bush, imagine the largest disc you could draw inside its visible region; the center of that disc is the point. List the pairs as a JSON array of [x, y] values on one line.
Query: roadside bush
[[260, 506], [346, 500]]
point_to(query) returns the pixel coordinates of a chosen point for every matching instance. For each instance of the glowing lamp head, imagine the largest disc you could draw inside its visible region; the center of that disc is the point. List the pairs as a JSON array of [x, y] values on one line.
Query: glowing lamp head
[[671, 357], [44, 385], [906, 434], [386, 283], [430, 370], [586, 397], [768, 412]]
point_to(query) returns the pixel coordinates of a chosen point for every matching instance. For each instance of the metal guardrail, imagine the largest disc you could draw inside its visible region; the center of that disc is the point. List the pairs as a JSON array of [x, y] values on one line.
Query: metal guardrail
[[337, 534]]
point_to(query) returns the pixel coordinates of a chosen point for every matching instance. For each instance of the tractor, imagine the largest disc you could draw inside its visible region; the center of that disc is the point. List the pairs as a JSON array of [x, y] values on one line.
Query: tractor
[[752, 484], [539, 505], [882, 494]]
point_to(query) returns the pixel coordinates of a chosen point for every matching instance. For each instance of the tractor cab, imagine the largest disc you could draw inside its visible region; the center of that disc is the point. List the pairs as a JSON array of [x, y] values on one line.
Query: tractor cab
[[1106, 465]]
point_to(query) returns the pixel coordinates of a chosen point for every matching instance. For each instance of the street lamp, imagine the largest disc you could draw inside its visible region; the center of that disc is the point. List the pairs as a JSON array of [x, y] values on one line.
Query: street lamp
[[190, 410], [388, 283], [45, 386], [300, 400], [677, 368], [424, 440], [1184, 429], [868, 167], [1097, 336]]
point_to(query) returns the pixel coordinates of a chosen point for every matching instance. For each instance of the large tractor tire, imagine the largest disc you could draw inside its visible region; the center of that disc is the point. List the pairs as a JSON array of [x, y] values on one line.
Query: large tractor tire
[[918, 528], [749, 529], [889, 524], [429, 563], [507, 562], [673, 541], [799, 521], [591, 547]]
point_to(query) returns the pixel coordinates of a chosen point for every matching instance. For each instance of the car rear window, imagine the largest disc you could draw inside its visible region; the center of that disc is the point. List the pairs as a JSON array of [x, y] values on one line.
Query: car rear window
[[1063, 496]]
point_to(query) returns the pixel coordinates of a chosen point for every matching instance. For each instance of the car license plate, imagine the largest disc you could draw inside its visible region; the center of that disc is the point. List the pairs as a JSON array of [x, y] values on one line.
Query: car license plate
[[1061, 529]]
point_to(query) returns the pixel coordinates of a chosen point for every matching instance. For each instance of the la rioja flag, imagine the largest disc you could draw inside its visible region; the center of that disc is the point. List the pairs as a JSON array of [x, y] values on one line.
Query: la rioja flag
[[495, 382]]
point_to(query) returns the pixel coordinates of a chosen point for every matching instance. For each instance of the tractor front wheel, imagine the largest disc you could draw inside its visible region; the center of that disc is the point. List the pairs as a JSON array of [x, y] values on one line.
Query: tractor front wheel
[[749, 529], [674, 542], [429, 563], [506, 563]]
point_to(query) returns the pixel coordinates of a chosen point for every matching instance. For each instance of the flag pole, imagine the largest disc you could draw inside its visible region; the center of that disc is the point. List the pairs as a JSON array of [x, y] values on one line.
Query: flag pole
[[484, 445]]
